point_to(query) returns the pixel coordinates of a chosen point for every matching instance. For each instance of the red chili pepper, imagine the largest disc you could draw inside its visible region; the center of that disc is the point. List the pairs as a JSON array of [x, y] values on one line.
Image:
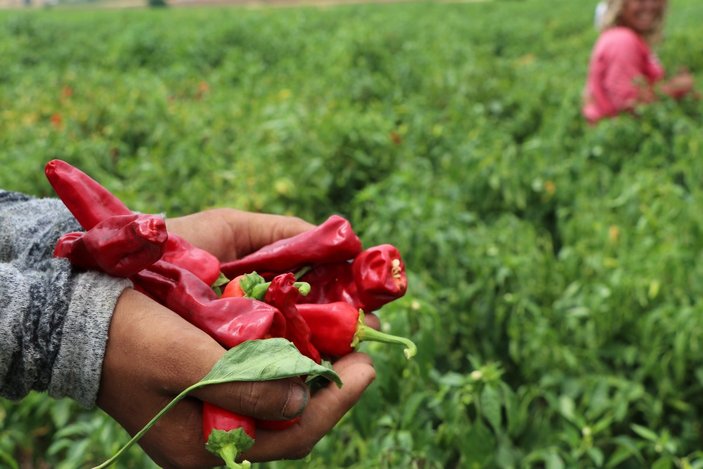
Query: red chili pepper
[[242, 431], [84, 197], [330, 282], [337, 328], [120, 245], [374, 278], [253, 285], [332, 241], [90, 203], [282, 294], [379, 275], [230, 321]]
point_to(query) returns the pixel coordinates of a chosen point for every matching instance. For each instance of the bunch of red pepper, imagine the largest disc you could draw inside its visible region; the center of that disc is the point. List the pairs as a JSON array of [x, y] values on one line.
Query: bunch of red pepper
[[314, 289]]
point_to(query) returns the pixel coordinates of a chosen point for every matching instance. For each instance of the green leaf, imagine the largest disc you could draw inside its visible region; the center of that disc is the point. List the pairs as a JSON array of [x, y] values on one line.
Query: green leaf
[[253, 360], [491, 407], [264, 360], [644, 432]]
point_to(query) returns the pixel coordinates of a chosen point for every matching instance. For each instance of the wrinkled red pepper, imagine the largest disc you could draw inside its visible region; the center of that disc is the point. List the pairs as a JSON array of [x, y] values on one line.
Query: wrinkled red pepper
[[90, 203], [332, 241], [230, 321], [379, 275], [338, 328], [120, 245], [282, 294], [84, 197], [375, 277]]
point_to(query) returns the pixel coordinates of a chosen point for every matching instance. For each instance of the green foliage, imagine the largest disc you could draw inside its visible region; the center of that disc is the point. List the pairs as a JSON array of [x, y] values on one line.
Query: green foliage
[[554, 278]]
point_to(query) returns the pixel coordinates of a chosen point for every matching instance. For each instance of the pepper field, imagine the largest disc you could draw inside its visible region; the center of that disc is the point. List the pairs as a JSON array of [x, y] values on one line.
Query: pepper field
[[555, 274]]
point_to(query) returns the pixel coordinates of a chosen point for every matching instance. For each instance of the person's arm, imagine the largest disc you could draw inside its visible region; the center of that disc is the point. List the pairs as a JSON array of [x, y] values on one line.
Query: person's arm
[[53, 319], [679, 85]]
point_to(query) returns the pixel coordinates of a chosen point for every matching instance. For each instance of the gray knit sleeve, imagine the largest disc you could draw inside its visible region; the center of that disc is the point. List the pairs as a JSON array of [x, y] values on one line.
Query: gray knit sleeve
[[53, 319]]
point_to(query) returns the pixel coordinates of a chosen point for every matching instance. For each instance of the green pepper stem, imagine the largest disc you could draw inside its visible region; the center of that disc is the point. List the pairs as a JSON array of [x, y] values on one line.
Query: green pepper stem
[[369, 334], [228, 453], [258, 292]]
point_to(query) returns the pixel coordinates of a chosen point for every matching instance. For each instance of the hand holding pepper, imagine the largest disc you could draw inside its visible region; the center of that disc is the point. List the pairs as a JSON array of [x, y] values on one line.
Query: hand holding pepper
[[173, 354], [152, 354]]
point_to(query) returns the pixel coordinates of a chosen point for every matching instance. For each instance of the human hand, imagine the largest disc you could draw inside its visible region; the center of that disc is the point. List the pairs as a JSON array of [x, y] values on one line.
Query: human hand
[[231, 234], [152, 354], [679, 84]]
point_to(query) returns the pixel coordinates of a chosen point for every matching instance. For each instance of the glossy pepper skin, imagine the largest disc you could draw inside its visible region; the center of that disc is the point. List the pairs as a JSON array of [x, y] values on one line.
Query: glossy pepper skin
[[338, 328], [120, 245], [282, 294], [84, 197], [379, 276], [332, 241], [375, 277], [90, 203], [230, 321]]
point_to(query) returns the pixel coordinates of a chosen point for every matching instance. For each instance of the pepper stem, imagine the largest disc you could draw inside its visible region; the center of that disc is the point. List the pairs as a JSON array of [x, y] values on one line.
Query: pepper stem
[[369, 334], [228, 453]]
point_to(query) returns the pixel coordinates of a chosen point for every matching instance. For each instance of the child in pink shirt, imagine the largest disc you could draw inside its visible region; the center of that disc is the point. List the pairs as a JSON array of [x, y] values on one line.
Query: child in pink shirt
[[623, 69]]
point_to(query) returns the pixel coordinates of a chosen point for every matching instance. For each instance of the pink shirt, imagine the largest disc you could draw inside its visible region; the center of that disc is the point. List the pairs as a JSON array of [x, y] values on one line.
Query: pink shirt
[[619, 59]]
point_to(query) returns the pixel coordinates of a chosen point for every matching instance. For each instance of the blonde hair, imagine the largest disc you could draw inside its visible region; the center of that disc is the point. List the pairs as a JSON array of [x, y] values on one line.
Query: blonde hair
[[613, 17]]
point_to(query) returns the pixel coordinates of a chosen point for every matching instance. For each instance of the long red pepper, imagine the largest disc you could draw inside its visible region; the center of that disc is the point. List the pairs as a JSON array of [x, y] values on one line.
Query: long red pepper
[[282, 294], [332, 241], [90, 203], [84, 197], [337, 329], [230, 321], [120, 245]]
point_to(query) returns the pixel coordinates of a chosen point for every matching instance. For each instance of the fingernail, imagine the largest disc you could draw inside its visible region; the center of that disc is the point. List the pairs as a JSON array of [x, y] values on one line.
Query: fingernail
[[298, 395]]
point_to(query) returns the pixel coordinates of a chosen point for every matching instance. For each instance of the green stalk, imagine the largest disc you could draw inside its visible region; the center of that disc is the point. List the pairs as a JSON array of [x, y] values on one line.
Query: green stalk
[[148, 426], [369, 334]]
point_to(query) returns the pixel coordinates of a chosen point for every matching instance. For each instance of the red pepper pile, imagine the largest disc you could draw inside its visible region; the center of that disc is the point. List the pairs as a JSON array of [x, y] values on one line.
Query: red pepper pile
[[312, 289]]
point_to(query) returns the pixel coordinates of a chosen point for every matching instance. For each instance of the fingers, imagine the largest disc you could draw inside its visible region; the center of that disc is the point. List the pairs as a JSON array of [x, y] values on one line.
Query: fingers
[[252, 231], [372, 321], [267, 400], [176, 440], [327, 406], [173, 355], [230, 234]]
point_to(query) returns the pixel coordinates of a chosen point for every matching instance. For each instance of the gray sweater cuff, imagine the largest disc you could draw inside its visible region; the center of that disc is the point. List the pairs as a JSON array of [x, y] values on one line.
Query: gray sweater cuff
[[78, 365], [54, 319]]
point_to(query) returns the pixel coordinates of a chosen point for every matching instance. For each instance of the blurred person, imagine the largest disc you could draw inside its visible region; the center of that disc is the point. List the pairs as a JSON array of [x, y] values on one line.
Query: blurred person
[[623, 70], [93, 338]]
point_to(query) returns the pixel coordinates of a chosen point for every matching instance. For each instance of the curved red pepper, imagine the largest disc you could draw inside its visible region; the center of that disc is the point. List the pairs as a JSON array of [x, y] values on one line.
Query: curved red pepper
[[230, 321], [90, 203], [332, 241], [284, 291], [120, 245], [337, 328], [84, 197], [282, 294]]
